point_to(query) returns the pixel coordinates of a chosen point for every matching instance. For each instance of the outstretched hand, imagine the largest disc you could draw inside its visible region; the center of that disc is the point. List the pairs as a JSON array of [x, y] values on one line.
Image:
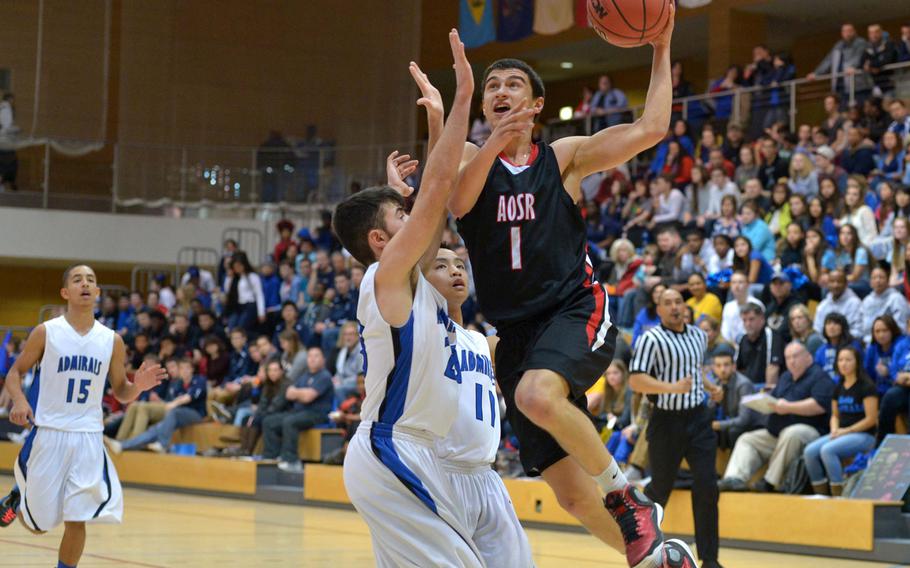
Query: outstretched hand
[[663, 40], [397, 169], [149, 376], [464, 75], [430, 98]]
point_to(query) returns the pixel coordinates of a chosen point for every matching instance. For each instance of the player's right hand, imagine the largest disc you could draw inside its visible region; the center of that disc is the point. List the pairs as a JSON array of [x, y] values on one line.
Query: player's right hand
[[21, 414], [519, 120], [463, 73], [430, 98]]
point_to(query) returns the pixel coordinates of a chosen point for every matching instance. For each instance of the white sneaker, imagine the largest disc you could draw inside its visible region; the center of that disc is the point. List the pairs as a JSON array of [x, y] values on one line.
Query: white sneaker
[[156, 447], [18, 438], [296, 467], [113, 446]]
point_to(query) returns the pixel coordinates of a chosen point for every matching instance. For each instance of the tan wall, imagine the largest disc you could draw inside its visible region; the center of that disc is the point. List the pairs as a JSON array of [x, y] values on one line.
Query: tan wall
[[32, 287], [215, 72]]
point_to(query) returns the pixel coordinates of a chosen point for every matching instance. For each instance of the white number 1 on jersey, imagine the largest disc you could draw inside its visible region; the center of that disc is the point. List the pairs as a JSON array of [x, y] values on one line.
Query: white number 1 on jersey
[[516, 248]]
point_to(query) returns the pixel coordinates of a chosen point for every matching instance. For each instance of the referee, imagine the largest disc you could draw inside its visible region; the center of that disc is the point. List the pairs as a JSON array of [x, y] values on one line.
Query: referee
[[667, 365]]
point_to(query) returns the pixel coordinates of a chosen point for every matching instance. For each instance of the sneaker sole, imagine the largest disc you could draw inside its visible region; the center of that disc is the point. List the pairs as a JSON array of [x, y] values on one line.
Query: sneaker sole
[[684, 546]]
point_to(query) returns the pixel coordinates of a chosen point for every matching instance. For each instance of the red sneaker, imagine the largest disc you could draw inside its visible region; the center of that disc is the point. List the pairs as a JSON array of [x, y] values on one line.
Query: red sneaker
[[678, 555], [9, 508], [639, 521]]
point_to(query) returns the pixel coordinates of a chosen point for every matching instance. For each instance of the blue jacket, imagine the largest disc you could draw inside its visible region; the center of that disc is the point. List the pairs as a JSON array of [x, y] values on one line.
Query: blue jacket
[[874, 354], [271, 289], [241, 365], [826, 357], [859, 161], [642, 324]]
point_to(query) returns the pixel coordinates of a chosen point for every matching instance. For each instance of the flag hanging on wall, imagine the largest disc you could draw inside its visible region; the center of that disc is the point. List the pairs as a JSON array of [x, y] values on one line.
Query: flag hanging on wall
[[553, 16], [581, 14], [516, 19], [475, 22]]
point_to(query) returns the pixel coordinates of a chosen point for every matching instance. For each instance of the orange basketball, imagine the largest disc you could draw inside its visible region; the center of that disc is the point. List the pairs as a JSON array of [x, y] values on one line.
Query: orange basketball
[[628, 23]]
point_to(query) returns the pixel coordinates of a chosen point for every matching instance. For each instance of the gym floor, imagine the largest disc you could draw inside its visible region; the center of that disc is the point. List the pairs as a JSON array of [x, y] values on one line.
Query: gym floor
[[173, 530]]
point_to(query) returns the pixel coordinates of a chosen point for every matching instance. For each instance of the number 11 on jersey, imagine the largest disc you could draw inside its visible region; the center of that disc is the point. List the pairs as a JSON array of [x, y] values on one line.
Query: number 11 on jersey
[[479, 403]]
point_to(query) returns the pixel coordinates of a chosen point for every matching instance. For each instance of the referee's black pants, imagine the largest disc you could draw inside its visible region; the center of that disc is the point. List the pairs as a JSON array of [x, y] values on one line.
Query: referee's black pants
[[672, 436]]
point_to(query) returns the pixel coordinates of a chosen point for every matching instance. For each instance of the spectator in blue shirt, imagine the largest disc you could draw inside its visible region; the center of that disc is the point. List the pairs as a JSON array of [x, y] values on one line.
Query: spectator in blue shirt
[[757, 231], [837, 335], [606, 105], [343, 309], [886, 338], [271, 291], [647, 317], [290, 319], [312, 395], [187, 398], [751, 263], [896, 400], [859, 155]]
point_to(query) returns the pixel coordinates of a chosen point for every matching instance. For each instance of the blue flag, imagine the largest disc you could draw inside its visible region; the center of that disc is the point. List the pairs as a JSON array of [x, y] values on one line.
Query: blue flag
[[475, 23], [516, 19]]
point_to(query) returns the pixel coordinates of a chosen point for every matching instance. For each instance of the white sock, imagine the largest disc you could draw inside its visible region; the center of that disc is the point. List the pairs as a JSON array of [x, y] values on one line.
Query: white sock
[[612, 479]]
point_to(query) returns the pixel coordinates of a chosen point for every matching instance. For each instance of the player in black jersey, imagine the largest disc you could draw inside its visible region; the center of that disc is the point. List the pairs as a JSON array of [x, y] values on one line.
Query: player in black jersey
[[517, 206]]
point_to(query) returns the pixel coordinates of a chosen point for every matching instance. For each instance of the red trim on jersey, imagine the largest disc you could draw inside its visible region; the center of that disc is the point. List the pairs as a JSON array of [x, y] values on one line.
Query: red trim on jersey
[[534, 151], [597, 317]]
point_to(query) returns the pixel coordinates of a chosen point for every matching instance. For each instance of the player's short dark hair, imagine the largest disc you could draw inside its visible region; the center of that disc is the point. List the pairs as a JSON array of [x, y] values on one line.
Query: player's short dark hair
[[359, 214], [537, 88], [69, 269]]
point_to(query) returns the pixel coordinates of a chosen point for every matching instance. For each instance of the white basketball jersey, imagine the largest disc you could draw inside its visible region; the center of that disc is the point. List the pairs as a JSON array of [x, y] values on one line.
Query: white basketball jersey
[[474, 437], [412, 374], [67, 391]]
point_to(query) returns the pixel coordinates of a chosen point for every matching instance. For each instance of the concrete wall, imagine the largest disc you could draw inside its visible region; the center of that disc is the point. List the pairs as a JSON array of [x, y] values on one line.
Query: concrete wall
[[44, 235]]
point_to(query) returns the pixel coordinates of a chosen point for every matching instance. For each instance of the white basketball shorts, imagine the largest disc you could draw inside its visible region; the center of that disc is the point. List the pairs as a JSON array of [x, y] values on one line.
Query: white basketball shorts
[[67, 476], [487, 512], [396, 483]]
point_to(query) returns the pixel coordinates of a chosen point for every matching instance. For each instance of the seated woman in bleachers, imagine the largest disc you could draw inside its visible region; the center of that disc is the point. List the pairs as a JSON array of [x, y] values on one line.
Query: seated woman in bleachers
[[647, 317], [837, 336], [854, 415], [751, 263], [293, 355], [886, 338], [896, 400], [801, 328], [271, 401], [610, 401], [854, 259]]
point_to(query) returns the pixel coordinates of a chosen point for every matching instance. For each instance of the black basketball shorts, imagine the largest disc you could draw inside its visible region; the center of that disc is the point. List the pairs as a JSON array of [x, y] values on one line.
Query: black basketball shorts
[[576, 340]]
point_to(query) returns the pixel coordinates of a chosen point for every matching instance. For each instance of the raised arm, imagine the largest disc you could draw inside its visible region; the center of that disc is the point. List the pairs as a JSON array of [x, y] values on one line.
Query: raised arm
[[22, 412], [147, 377], [584, 155], [394, 292]]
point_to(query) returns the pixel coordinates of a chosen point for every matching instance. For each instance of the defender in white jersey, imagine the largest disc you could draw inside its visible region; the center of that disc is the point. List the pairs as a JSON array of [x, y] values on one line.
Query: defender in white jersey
[[391, 470], [469, 450], [63, 473]]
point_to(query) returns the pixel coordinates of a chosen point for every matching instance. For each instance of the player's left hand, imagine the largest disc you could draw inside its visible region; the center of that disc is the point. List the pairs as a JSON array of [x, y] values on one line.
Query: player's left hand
[[149, 376], [397, 169], [663, 40]]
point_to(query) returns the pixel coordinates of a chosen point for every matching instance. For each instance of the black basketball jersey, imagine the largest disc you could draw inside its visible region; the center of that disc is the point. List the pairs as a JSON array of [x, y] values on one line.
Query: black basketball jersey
[[526, 239]]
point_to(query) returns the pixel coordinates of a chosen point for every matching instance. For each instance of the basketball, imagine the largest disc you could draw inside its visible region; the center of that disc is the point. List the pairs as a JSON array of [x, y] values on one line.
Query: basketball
[[628, 23]]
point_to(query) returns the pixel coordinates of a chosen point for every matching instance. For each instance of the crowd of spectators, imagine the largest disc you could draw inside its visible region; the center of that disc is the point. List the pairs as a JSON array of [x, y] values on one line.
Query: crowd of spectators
[[789, 247]]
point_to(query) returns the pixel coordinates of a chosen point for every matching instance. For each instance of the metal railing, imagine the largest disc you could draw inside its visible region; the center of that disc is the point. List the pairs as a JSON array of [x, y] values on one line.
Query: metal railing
[[743, 100], [298, 180]]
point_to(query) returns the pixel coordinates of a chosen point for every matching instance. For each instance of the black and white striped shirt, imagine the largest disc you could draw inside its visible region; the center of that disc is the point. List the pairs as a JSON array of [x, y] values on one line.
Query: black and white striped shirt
[[670, 356]]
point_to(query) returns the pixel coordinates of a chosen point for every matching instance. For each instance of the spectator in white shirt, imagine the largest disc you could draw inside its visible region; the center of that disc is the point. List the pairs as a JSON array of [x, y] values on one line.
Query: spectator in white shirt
[[731, 326], [670, 202], [200, 277], [842, 300], [245, 301], [883, 301]]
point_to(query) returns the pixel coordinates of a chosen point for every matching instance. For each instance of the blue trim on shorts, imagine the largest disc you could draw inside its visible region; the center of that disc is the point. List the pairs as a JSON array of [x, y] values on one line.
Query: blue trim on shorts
[[26, 452], [107, 482], [384, 447]]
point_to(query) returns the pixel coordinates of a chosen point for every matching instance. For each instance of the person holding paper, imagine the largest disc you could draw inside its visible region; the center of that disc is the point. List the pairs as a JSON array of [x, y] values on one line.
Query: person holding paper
[[800, 416]]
